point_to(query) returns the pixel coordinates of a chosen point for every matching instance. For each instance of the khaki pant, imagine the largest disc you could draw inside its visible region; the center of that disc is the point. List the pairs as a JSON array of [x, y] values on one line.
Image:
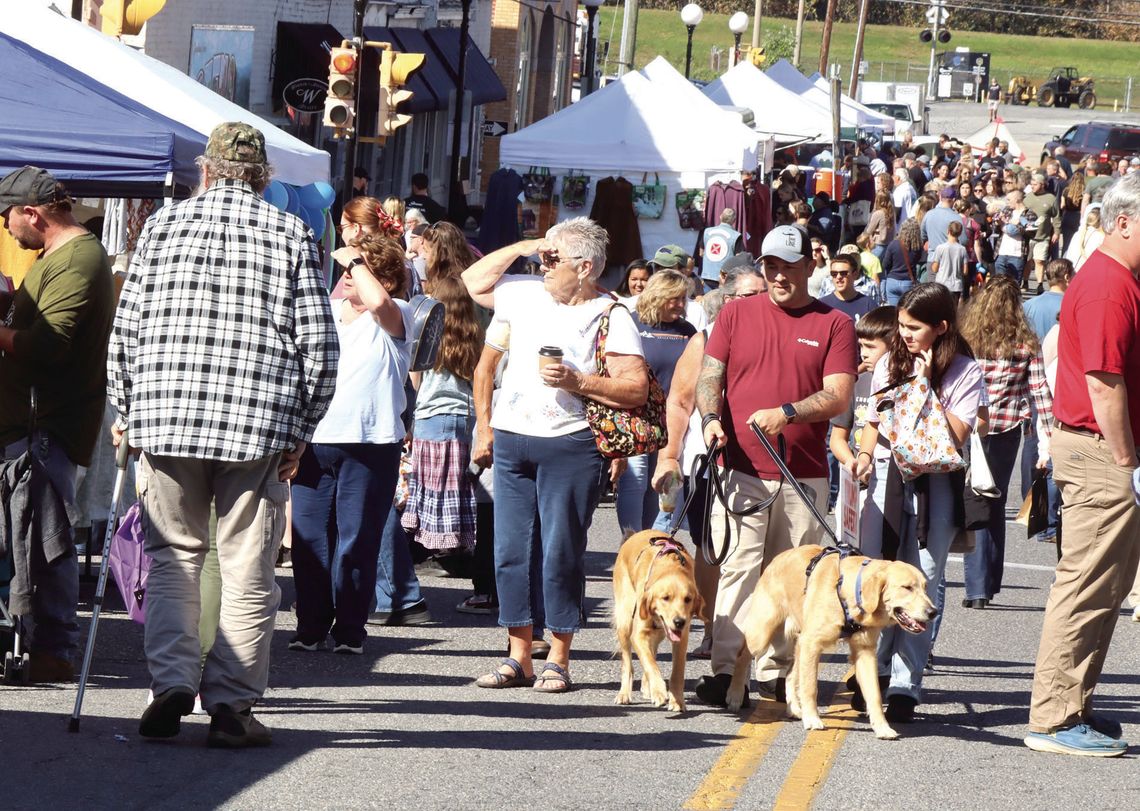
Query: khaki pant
[[176, 494], [755, 540], [1099, 554]]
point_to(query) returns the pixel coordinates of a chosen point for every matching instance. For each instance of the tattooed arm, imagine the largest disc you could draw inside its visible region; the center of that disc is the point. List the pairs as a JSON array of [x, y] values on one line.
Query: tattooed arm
[[710, 398], [833, 398]]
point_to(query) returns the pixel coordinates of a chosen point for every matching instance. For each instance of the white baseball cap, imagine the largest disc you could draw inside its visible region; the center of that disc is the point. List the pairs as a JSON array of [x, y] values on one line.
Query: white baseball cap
[[788, 242]]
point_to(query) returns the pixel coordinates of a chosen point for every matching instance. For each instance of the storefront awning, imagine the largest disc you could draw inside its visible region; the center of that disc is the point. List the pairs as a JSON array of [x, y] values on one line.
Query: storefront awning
[[479, 78], [302, 53], [431, 85]]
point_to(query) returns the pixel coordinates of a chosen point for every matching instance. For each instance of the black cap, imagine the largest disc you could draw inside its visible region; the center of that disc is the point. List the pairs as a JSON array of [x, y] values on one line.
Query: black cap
[[28, 186]]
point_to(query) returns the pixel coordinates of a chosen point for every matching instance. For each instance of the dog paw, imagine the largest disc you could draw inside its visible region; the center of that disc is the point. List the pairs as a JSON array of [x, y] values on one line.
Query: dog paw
[[813, 723], [660, 697], [793, 710], [623, 697], [734, 700], [885, 733]]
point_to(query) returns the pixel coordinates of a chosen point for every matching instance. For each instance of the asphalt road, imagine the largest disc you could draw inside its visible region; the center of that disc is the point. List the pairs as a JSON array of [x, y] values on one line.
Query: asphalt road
[[403, 727]]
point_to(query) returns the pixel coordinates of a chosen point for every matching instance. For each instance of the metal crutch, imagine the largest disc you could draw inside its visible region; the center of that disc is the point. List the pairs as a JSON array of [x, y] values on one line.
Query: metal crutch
[[121, 458]]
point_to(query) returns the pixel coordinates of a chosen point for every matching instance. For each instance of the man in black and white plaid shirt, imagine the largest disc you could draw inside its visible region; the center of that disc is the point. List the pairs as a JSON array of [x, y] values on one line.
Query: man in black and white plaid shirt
[[221, 363]]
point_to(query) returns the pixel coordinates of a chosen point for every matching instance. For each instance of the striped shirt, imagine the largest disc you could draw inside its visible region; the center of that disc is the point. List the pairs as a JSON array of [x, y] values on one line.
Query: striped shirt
[[224, 346]]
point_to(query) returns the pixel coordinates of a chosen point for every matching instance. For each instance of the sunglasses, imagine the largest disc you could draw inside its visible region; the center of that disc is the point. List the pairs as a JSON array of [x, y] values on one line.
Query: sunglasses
[[840, 274], [551, 259]]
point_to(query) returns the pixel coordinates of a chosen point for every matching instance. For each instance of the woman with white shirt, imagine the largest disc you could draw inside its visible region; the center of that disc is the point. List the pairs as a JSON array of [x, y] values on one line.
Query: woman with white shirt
[[548, 471], [348, 473]]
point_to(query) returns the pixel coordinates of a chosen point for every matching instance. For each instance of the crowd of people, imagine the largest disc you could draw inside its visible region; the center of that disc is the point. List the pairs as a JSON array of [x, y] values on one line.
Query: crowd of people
[[248, 387]]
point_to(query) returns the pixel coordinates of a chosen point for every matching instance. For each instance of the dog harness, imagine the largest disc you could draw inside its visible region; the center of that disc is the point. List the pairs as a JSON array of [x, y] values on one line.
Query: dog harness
[[850, 626], [665, 545]]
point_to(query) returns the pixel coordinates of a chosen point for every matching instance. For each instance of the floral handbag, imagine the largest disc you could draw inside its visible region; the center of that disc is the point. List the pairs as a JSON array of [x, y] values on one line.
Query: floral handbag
[[913, 419], [625, 432]]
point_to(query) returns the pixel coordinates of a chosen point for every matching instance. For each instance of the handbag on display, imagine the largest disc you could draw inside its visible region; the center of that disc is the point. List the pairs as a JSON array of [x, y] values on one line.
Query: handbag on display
[[538, 185], [649, 198], [575, 190], [625, 432], [914, 421], [691, 209]]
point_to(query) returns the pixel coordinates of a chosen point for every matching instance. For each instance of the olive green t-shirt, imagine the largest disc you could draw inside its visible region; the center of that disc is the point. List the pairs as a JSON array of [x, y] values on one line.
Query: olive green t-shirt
[[62, 313]]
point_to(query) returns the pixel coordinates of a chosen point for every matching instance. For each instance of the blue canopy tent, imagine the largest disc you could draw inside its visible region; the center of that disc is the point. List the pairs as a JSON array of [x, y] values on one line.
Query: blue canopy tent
[[94, 139]]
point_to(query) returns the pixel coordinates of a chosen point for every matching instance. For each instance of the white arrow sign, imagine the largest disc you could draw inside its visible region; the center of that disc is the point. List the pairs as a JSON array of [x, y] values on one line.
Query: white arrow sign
[[937, 13]]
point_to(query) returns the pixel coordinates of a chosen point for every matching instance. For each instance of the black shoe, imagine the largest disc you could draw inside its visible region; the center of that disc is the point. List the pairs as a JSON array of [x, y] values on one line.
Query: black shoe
[[284, 558], [858, 702], [163, 718], [236, 730], [713, 690], [417, 614], [929, 669], [900, 709], [980, 602], [774, 688], [296, 643]]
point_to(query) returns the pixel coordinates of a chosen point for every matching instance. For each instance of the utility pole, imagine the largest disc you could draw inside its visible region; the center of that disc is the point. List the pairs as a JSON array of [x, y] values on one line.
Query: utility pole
[[628, 37], [456, 199], [825, 45], [757, 15], [931, 88], [799, 34], [864, 8], [350, 139]]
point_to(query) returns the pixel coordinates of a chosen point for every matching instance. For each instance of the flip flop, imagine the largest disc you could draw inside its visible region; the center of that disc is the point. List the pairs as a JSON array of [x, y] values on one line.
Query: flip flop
[[553, 673], [496, 680]]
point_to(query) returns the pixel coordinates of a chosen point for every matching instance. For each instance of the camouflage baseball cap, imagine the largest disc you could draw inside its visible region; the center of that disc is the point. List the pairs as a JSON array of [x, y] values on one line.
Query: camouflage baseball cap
[[236, 141]]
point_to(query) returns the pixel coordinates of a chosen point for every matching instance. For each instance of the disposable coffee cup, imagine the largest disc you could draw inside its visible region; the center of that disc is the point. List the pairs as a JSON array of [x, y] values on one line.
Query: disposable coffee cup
[[548, 355], [667, 499]]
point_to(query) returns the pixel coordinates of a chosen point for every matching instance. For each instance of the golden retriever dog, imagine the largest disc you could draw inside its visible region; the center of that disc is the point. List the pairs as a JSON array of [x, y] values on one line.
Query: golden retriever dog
[[655, 596], [810, 611]]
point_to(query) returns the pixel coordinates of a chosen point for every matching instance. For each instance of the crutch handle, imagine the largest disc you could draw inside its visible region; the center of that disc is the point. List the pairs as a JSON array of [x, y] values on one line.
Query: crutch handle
[[123, 452]]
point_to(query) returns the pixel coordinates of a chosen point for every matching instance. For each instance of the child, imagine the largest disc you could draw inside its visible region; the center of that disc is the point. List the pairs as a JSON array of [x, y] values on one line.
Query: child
[[874, 332], [872, 269], [916, 523], [948, 262]]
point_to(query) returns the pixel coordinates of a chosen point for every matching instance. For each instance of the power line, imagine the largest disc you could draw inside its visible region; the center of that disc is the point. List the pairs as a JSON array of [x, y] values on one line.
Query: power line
[[1077, 15]]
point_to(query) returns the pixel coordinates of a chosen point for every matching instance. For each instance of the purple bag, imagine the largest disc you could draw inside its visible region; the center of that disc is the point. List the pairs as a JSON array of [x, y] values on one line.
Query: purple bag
[[130, 564]]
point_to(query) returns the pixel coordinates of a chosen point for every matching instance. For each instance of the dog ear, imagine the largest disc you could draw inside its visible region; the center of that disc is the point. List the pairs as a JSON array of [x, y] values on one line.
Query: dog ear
[[643, 607], [874, 583]]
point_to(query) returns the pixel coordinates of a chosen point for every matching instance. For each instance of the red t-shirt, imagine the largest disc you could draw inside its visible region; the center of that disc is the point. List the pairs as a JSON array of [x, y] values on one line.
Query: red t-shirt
[[775, 356], [1100, 332]]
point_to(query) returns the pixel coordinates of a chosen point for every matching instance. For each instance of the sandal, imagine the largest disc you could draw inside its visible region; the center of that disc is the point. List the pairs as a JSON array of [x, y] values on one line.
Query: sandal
[[478, 604], [496, 679], [553, 673]]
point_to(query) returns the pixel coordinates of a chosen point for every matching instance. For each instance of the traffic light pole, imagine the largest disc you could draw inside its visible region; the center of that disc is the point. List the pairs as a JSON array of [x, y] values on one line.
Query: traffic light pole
[[350, 137], [456, 199], [930, 86]]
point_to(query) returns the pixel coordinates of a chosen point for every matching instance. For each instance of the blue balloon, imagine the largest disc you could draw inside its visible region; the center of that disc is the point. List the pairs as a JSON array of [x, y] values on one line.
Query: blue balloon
[[327, 193], [310, 197], [276, 195], [294, 204], [315, 219]]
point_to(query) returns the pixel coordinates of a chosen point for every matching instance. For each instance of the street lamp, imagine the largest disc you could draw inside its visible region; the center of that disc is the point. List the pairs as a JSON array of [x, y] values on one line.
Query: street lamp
[[691, 16], [737, 24], [591, 10]]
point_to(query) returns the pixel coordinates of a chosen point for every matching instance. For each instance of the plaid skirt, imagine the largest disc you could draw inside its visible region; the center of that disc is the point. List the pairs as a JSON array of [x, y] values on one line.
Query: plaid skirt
[[440, 512]]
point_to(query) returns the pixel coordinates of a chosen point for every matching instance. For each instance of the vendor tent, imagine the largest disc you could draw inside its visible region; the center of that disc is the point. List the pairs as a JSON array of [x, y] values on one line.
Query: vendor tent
[[980, 140], [650, 125], [99, 142], [776, 110], [875, 118], [156, 86], [850, 117]]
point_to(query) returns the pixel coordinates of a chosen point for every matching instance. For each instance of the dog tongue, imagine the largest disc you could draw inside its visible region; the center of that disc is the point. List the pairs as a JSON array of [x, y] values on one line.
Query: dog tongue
[[673, 635]]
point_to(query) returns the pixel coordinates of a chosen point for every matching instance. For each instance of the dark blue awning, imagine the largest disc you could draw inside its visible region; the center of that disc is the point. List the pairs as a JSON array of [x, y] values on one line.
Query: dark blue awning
[[479, 77]]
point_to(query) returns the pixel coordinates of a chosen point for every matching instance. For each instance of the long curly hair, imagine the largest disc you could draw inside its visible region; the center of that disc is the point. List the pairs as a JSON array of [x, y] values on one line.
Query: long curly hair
[[1075, 189], [930, 303], [994, 322], [462, 334], [450, 255], [385, 260], [910, 235]]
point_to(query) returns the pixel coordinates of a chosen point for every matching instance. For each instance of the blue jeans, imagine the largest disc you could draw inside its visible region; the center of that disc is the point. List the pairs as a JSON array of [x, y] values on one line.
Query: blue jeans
[[339, 516], [1011, 266], [895, 289], [636, 502], [53, 627], [546, 489], [397, 587], [985, 564], [879, 252], [903, 655]]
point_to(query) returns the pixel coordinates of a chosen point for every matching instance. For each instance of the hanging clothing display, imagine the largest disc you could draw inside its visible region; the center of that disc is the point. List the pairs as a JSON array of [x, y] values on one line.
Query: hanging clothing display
[[613, 210], [114, 237], [500, 226]]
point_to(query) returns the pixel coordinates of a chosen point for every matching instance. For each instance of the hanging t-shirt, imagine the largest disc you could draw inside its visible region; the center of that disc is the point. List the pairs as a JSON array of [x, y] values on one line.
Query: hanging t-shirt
[[526, 405], [775, 356]]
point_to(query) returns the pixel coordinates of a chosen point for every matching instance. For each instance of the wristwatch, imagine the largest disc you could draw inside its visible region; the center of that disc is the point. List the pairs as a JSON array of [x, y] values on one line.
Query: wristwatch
[[789, 412]]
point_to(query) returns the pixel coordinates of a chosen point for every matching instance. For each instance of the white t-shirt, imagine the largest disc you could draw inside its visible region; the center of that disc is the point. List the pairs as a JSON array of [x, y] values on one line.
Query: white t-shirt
[[370, 375], [526, 405]]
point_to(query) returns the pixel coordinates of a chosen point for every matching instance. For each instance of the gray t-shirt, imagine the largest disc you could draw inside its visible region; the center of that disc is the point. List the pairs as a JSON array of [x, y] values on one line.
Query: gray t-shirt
[[443, 393], [951, 260]]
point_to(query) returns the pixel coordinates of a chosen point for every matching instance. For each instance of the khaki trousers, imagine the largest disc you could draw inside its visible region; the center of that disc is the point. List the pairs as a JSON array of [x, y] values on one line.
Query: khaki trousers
[[755, 540], [176, 495], [1100, 550]]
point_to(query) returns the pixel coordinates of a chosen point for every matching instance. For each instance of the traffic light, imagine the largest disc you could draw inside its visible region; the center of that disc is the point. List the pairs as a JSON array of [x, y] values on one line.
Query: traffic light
[[128, 16], [395, 69], [927, 36], [340, 103], [756, 56]]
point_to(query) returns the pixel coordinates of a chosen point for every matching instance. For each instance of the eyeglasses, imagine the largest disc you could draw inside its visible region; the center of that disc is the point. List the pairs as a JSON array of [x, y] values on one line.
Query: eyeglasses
[[742, 295], [840, 274]]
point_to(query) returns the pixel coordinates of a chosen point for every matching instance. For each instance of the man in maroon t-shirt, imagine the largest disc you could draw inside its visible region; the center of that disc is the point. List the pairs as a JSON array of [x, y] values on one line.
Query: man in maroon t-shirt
[[1095, 463], [783, 362]]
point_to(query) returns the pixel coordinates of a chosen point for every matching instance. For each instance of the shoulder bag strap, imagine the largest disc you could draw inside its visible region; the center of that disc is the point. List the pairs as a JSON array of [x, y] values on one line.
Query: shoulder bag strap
[[600, 341], [906, 261]]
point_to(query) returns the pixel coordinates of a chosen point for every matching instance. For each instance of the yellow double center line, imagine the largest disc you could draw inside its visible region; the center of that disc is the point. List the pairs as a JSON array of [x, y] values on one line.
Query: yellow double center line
[[742, 757]]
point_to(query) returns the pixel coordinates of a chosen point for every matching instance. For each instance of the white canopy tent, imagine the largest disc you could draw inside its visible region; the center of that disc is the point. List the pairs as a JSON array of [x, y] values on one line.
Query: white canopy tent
[[158, 86], [649, 124], [877, 119], [980, 140], [777, 110], [850, 117]]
